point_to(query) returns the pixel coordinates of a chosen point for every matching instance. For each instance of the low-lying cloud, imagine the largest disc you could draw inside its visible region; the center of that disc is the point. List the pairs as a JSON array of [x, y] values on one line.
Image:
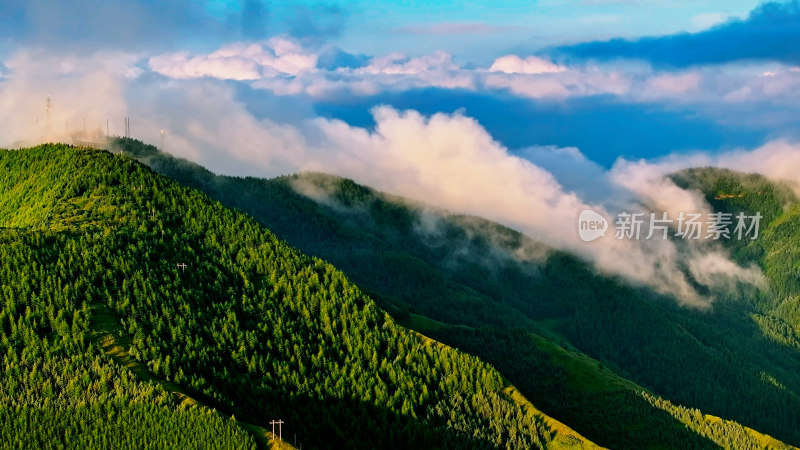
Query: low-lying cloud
[[777, 160]]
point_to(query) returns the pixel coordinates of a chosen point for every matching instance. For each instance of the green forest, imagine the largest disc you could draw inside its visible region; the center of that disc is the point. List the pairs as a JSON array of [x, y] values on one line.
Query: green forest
[[140, 313], [623, 366]]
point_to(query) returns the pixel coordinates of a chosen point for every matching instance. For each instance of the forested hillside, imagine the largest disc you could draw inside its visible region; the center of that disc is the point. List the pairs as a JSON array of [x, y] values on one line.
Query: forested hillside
[[535, 313], [777, 250], [97, 247]]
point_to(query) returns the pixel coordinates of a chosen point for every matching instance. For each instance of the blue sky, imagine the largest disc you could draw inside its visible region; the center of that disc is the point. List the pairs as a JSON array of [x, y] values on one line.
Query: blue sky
[[472, 30], [476, 30], [527, 25]]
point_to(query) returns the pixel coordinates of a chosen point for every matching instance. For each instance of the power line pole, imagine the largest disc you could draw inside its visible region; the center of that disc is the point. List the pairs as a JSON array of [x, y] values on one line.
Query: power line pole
[[278, 422], [182, 266]]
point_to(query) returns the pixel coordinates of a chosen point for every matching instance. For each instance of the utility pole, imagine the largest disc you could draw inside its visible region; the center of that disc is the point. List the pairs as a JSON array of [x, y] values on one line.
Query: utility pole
[[182, 266], [278, 422]]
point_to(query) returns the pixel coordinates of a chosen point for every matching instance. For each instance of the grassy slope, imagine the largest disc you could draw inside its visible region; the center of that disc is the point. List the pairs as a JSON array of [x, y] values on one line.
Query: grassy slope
[[321, 228], [86, 197]]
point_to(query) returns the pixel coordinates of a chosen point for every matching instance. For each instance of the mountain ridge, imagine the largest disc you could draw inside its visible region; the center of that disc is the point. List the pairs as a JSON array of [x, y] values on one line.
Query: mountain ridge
[[337, 235]]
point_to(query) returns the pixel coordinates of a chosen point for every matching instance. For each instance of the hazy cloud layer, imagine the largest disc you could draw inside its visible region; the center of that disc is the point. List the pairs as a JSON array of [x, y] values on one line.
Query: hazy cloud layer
[[284, 66], [81, 25]]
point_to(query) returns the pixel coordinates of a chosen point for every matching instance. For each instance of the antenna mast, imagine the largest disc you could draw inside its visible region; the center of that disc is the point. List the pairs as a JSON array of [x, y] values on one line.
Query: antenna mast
[[48, 106]]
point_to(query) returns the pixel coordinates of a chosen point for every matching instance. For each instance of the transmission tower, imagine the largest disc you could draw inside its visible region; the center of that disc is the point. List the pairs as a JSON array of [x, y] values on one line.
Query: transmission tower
[[48, 106]]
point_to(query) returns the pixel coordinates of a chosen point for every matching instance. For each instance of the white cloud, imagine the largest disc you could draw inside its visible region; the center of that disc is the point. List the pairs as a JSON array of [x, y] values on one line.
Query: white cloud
[[240, 61], [777, 160], [529, 65], [284, 67], [394, 72], [647, 180], [562, 85]]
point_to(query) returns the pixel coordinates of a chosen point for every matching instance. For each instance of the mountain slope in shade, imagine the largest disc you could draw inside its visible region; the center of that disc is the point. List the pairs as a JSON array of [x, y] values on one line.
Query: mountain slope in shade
[[134, 308], [429, 267]]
